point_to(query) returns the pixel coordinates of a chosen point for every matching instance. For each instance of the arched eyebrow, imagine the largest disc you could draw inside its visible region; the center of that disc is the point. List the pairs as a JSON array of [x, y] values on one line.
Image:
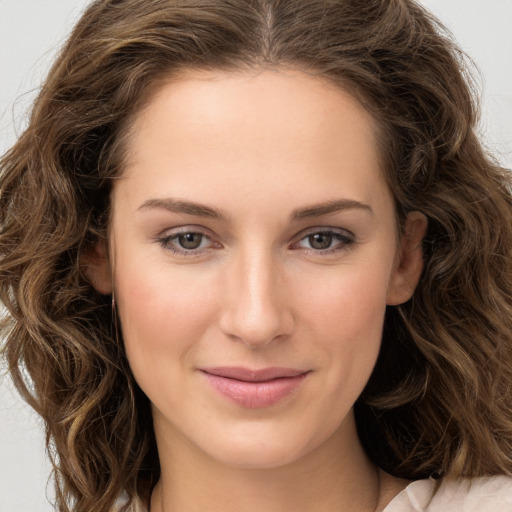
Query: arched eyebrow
[[181, 206], [201, 210], [329, 208]]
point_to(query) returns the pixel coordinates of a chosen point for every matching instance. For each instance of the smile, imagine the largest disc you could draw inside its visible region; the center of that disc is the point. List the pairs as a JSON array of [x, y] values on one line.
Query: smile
[[254, 389]]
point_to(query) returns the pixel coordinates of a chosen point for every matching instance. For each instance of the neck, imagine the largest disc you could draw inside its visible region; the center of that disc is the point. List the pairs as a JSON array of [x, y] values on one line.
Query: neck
[[333, 477]]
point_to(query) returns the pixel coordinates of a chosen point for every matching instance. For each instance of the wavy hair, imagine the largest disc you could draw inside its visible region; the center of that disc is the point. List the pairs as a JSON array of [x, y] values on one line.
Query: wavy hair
[[439, 401]]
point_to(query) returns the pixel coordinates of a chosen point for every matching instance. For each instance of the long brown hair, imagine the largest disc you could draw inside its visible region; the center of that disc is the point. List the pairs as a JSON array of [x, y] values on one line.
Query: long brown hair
[[440, 399]]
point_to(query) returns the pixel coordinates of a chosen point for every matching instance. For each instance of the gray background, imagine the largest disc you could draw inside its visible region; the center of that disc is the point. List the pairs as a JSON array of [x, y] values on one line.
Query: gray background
[[30, 34]]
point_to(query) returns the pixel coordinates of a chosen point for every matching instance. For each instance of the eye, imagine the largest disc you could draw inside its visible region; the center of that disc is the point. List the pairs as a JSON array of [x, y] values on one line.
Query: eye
[[190, 240], [325, 241], [320, 241], [186, 242]]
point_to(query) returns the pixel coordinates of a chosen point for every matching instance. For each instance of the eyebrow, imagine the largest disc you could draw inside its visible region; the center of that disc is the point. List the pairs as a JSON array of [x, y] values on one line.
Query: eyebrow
[[180, 206], [201, 210], [329, 207]]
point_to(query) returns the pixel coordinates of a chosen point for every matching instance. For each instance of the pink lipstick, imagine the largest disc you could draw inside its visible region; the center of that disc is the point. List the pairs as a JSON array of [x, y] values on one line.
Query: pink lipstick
[[254, 388]]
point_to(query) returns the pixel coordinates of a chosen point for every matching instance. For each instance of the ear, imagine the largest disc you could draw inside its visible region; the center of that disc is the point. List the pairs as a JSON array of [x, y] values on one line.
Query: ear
[[409, 262], [96, 267]]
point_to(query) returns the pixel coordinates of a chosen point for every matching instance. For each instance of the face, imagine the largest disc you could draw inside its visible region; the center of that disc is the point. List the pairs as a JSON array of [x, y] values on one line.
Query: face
[[254, 250]]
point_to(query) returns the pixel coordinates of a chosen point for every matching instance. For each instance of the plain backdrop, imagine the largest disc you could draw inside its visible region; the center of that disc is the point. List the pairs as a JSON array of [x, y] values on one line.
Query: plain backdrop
[[31, 32]]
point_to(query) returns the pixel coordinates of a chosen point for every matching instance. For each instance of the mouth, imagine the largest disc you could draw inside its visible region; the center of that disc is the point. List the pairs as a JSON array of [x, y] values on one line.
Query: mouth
[[254, 389]]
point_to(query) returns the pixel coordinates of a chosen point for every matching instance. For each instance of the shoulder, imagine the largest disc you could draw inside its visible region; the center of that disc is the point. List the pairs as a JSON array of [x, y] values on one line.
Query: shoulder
[[487, 494]]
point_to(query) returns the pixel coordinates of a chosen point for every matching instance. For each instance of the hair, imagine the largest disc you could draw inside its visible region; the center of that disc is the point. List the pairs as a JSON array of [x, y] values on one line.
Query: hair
[[439, 401]]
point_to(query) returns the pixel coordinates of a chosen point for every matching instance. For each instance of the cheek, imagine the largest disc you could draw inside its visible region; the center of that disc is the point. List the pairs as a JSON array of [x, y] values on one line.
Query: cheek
[[345, 318], [161, 313], [349, 307], [342, 320]]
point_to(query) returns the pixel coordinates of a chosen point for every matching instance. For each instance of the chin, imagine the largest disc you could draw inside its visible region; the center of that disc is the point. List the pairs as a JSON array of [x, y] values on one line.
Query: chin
[[262, 456], [262, 448]]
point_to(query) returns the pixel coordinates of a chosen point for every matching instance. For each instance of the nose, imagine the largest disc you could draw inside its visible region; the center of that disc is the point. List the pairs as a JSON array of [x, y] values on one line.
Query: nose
[[255, 302]]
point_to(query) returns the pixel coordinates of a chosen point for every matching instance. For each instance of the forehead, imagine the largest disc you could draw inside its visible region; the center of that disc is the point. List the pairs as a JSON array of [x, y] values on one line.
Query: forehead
[[249, 130], [213, 100]]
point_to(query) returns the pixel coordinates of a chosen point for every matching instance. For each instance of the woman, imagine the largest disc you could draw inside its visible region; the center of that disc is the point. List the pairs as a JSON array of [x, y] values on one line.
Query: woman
[[261, 262]]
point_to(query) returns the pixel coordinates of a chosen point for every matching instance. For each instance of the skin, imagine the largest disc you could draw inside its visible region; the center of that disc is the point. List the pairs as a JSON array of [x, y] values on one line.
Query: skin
[[261, 150]]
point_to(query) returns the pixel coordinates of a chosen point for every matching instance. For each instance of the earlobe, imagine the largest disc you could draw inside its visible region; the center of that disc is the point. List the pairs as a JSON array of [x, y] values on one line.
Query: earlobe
[[96, 267], [409, 264]]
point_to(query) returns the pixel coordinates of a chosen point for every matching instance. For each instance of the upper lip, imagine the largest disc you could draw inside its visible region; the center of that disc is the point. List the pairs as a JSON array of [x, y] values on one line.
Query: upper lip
[[250, 375]]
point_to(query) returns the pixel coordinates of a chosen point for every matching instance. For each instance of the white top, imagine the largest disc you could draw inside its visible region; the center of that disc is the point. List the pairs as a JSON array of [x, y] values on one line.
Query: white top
[[489, 494]]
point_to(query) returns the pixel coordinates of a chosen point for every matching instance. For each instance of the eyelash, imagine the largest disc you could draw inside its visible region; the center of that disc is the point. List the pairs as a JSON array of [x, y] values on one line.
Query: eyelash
[[345, 241], [166, 242]]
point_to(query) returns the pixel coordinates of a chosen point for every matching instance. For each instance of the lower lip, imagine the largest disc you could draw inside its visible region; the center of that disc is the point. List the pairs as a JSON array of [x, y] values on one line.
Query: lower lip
[[255, 395]]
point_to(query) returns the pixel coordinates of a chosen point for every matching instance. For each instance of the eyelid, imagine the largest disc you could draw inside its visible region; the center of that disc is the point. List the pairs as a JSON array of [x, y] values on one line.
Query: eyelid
[[324, 229], [345, 239], [164, 239], [348, 239]]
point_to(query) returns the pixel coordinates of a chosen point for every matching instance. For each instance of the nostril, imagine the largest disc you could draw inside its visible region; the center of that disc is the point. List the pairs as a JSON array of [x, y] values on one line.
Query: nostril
[[256, 328]]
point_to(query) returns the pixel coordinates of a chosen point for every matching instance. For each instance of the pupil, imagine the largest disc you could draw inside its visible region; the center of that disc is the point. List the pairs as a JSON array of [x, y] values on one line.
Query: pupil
[[190, 240], [320, 240]]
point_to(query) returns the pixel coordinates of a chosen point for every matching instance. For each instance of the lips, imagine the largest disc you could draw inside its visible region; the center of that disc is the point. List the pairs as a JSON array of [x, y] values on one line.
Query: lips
[[254, 388]]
